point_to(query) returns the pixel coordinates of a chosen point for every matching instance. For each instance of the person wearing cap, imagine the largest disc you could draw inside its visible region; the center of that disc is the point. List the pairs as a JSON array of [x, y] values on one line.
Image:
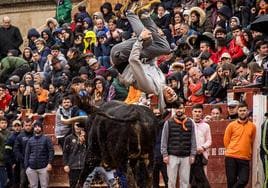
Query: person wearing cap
[[12, 164], [55, 53], [39, 154], [232, 108], [4, 134], [57, 70], [186, 15], [94, 67], [74, 153], [225, 58], [20, 147], [238, 141]]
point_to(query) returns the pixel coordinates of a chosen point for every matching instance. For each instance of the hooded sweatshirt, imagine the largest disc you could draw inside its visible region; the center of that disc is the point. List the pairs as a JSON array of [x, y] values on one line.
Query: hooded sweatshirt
[[89, 45], [50, 41]]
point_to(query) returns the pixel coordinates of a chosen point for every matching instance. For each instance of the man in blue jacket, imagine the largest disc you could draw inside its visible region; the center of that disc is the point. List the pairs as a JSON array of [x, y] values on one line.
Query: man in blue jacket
[[20, 147], [38, 157]]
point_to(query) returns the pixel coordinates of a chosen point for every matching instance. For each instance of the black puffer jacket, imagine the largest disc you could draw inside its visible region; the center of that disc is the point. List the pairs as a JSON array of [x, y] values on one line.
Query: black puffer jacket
[[74, 153], [20, 145], [39, 152]]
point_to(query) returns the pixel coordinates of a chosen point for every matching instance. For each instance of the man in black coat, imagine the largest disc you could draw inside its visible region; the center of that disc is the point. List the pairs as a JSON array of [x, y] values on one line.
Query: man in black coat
[[12, 164], [19, 149], [10, 37], [74, 154]]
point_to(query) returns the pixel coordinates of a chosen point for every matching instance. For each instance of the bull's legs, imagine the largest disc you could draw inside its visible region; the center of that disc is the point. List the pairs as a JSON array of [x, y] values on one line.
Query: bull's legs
[[137, 130]]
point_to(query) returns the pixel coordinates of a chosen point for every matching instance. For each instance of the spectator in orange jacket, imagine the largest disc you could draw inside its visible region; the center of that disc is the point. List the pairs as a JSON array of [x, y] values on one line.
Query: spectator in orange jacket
[[238, 141], [42, 97]]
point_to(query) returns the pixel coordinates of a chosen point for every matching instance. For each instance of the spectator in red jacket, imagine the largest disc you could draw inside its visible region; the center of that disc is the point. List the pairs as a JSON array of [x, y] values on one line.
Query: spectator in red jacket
[[5, 98], [235, 49], [196, 86]]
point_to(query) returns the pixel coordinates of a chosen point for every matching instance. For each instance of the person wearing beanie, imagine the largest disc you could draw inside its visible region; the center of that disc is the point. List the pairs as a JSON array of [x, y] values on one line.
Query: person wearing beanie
[[234, 21], [38, 157]]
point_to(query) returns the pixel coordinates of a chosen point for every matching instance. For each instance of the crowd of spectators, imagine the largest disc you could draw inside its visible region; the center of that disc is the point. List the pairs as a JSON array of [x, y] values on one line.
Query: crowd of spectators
[[213, 49]]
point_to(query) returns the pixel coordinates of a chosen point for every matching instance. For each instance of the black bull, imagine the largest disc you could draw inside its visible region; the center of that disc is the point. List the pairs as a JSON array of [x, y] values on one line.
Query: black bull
[[122, 137]]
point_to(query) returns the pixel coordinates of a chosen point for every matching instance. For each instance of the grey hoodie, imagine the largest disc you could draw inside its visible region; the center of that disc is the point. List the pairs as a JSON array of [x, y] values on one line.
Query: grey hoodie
[[146, 76]]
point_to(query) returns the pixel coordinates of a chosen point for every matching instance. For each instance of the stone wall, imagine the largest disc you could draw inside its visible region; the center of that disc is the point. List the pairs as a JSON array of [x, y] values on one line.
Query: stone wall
[[27, 14]]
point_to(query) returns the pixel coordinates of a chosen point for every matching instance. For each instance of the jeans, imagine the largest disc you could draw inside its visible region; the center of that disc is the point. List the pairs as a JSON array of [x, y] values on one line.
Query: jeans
[[183, 164], [160, 46], [38, 175], [74, 175], [104, 61], [3, 176], [237, 172]]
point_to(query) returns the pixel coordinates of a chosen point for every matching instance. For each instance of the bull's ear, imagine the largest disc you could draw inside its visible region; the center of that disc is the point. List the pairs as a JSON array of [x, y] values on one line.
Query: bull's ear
[[71, 121]]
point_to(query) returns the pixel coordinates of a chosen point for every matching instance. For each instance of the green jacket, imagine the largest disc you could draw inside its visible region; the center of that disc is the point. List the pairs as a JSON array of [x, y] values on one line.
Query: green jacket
[[121, 91], [63, 11], [9, 64], [3, 137]]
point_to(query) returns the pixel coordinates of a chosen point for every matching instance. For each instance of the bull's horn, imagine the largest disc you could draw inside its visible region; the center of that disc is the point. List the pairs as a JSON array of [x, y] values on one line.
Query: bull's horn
[[71, 121]]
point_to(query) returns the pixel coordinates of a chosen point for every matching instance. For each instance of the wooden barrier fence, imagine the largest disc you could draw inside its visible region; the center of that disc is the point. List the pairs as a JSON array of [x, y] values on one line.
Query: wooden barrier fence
[[216, 168]]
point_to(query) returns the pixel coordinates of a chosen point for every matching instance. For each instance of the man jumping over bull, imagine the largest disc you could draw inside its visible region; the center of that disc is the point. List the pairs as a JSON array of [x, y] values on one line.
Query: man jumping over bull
[[141, 53], [138, 54]]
